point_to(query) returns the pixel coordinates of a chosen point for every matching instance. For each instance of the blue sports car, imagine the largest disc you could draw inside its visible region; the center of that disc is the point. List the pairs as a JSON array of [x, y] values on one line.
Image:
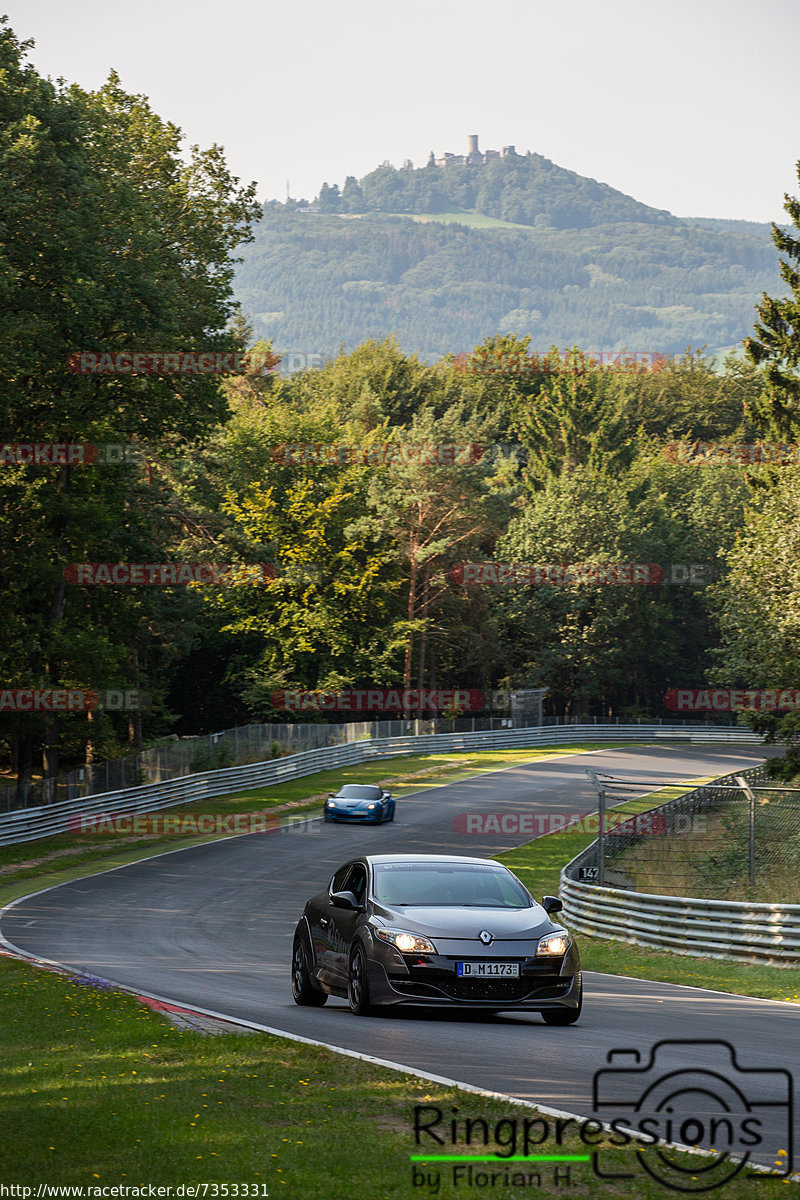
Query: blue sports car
[[362, 802]]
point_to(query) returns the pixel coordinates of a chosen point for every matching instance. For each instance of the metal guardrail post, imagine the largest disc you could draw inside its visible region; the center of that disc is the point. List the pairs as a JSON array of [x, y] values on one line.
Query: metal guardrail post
[[751, 849], [601, 821]]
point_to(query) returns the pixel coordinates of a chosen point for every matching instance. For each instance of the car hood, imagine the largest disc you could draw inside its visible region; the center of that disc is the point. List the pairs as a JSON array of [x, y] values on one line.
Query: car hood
[[504, 924], [347, 802]]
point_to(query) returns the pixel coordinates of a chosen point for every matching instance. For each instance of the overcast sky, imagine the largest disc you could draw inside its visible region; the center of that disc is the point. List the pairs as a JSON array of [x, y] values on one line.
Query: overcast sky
[[688, 105]]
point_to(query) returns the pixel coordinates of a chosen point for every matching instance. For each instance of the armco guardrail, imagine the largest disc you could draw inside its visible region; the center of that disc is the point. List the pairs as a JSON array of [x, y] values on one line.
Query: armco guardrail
[[703, 928], [753, 932], [26, 825]]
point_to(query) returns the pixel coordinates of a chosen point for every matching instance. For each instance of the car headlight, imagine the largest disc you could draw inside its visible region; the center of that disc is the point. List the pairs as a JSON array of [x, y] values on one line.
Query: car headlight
[[407, 943], [554, 945], [331, 804], [371, 806]]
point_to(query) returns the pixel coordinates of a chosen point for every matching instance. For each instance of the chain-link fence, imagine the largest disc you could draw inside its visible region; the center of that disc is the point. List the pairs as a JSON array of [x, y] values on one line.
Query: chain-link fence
[[738, 837], [228, 748], [257, 743], [187, 756]]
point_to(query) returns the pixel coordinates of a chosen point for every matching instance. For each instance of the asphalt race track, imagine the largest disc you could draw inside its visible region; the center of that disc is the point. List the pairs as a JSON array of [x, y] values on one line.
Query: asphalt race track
[[212, 926]]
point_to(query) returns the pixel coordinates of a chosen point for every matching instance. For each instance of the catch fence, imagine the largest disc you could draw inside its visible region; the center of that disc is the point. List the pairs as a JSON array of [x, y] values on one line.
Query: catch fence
[[27, 824], [178, 757], [711, 872]]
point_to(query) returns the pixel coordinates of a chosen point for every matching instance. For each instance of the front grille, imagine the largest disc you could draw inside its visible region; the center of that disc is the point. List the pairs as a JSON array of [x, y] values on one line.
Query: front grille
[[487, 989], [508, 991]]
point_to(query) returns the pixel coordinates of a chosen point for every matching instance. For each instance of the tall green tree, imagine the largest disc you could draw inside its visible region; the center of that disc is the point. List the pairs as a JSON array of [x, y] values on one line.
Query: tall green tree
[[757, 602], [758, 607], [576, 417], [111, 242], [775, 348], [592, 645], [436, 513]]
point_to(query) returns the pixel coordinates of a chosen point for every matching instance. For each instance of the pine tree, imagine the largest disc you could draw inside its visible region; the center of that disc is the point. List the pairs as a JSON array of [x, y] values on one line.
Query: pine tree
[[776, 346]]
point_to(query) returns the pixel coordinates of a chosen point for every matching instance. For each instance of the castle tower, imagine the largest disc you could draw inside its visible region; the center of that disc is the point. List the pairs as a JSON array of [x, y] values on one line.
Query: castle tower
[[472, 142]]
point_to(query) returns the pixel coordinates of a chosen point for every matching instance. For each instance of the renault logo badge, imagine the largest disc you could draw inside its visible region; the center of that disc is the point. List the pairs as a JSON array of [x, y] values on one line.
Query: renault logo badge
[[486, 937]]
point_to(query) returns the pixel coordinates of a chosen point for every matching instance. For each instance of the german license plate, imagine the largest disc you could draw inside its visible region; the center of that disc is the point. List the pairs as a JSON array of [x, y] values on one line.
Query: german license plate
[[488, 970]]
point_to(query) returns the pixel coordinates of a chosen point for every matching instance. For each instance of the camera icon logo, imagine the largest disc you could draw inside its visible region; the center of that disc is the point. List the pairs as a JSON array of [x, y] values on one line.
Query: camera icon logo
[[695, 1094]]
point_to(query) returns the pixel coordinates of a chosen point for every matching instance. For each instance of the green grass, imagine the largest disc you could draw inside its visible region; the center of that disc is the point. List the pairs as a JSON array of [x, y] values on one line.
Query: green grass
[[472, 219], [99, 1091], [539, 863]]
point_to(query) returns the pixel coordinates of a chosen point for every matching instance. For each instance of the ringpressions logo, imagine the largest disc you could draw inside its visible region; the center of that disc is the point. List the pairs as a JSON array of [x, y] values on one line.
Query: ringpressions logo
[[650, 1110], [524, 1157], [744, 1114]]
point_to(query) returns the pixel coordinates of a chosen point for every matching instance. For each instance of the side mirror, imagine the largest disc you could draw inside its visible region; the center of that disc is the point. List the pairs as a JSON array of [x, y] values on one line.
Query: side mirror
[[331, 795], [551, 904], [345, 900]]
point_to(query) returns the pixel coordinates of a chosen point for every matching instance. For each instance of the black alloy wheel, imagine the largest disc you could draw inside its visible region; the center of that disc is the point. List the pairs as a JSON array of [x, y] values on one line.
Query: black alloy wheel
[[304, 990], [358, 983]]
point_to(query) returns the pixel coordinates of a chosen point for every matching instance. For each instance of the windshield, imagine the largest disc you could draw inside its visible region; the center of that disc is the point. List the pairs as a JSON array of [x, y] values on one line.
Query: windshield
[[460, 884], [359, 791]]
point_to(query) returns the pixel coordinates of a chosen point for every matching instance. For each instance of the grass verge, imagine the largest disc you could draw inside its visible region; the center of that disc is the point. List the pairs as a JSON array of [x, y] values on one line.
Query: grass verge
[[98, 1091]]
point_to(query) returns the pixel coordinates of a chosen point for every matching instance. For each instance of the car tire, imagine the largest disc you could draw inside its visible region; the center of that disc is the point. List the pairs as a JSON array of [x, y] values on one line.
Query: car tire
[[564, 1016], [391, 814], [358, 983], [304, 990]]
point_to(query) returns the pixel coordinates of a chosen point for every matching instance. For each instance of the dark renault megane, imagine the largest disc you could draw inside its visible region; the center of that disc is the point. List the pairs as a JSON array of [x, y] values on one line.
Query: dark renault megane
[[425, 929]]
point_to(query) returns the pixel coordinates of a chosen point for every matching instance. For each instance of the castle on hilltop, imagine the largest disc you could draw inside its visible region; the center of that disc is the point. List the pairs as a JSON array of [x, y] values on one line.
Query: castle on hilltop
[[473, 157]]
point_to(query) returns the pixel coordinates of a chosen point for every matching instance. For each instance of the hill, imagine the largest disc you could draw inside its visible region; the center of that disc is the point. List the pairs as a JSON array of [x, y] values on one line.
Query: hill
[[445, 256]]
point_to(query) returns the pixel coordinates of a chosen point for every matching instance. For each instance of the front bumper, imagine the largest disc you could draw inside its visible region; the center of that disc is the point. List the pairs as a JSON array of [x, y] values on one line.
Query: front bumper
[[361, 818], [432, 980]]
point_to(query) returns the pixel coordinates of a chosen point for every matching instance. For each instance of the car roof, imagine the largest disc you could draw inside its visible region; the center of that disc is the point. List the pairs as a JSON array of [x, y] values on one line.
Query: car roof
[[377, 859]]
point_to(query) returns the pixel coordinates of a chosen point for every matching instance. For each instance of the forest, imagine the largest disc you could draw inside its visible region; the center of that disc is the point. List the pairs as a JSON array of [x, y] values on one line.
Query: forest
[[245, 569], [440, 256]]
